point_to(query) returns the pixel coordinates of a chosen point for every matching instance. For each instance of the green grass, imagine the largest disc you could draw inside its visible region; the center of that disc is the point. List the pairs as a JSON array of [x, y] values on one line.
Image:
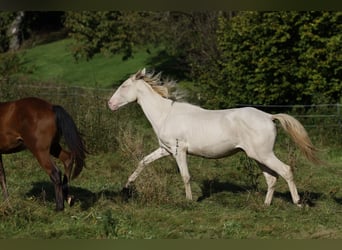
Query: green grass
[[53, 62], [158, 209]]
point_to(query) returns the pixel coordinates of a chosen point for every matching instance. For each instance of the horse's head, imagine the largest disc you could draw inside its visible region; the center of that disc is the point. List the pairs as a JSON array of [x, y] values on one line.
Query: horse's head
[[127, 92]]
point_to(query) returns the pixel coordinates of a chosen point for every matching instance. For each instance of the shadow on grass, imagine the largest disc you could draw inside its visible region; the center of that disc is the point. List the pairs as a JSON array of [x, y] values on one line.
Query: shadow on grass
[[306, 198], [338, 200], [44, 191], [211, 187]]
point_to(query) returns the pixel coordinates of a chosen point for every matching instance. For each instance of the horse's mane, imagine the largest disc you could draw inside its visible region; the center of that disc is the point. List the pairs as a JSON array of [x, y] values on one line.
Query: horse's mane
[[154, 80]]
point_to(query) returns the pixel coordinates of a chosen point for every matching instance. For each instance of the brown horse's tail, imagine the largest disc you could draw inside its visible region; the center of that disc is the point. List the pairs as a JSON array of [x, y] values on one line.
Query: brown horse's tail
[[73, 138], [299, 135]]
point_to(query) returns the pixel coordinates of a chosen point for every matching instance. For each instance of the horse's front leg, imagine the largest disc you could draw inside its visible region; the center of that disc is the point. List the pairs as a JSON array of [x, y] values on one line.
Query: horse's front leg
[[3, 179], [180, 154], [155, 155]]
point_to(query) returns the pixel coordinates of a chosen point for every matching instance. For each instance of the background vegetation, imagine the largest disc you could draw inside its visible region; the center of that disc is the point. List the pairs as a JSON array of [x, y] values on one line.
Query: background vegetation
[[197, 50], [246, 57]]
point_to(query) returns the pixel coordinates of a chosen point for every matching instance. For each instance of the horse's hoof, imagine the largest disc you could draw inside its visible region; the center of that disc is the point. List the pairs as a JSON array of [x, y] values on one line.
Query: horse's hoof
[[127, 193], [71, 200]]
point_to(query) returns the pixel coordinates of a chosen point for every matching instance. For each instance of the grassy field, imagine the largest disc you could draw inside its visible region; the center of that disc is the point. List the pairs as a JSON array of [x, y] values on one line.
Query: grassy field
[[228, 193], [53, 62], [227, 203]]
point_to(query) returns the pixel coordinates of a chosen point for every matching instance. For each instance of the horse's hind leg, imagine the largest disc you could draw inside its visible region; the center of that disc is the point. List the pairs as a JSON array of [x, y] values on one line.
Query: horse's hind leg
[[284, 171], [272, 167], [3, 179], [65, 156], [271, 179], [44, 160]]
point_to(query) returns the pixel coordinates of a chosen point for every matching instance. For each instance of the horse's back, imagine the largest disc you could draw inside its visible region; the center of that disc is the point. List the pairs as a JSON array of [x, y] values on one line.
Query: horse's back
[[251, 114], [33, 103], [30, 109]]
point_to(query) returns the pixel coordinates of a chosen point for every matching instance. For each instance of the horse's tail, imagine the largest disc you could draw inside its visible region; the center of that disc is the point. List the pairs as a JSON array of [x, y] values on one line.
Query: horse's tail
[[299, 135], [73, 138]]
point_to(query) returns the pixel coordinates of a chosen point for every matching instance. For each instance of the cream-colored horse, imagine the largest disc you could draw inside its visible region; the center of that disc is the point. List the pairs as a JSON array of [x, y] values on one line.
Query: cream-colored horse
[[184, 129]]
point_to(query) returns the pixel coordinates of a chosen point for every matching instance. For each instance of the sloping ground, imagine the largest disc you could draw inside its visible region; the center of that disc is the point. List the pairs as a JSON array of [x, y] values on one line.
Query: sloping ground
[[53, 62]]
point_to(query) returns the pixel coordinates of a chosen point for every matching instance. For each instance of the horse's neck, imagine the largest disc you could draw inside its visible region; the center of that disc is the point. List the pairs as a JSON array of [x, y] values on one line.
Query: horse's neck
[[155, 107]]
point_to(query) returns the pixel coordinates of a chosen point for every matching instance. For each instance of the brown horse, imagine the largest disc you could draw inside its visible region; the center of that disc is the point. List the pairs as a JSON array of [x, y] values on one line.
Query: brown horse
[[37, 125]]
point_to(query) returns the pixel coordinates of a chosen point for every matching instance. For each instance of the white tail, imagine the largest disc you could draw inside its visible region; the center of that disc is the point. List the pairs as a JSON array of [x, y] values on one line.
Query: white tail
[[299, 135]]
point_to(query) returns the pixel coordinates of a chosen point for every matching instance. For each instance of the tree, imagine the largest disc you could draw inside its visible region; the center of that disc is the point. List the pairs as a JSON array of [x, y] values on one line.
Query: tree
[[250, 57], [188, 37], [110, 31], [6, 18], [14, 31], [276, 58], [16, 27]]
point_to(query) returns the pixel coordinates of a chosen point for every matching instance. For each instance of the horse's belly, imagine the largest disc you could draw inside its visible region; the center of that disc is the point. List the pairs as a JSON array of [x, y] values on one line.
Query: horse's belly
[[214, 150], [10, 144]]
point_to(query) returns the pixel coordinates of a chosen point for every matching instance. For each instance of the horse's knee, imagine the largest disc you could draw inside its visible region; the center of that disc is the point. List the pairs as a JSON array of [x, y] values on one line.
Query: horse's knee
[[271, 180], [288, 175], [186, 178]]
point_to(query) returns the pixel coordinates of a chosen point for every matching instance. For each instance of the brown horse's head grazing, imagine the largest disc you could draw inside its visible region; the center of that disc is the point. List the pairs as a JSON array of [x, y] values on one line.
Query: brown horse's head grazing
[[37, 125]]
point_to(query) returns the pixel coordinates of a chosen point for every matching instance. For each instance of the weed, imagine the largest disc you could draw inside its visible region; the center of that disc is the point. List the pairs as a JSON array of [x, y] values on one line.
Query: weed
[[250, 172], [110, 225]]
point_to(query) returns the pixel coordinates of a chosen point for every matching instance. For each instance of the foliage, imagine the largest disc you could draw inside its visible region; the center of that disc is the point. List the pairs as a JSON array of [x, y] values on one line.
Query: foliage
[[32, 24], [5, 19], [276, 58], [109, 31], [282, 57], [187, 36], [320, 54], [10, 65]]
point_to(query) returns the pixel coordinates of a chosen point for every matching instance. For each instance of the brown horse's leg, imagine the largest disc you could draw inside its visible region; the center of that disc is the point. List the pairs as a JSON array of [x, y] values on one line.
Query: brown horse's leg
[[56, 178], [65, 156], [44, 160], [3, 179]]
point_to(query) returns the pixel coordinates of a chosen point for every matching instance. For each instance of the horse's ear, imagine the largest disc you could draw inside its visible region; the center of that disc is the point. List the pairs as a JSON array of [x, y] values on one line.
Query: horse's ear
[[140, 74]]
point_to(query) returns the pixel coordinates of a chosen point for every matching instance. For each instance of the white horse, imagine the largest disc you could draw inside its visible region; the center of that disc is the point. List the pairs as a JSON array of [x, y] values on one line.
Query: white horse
[[184, 129]]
